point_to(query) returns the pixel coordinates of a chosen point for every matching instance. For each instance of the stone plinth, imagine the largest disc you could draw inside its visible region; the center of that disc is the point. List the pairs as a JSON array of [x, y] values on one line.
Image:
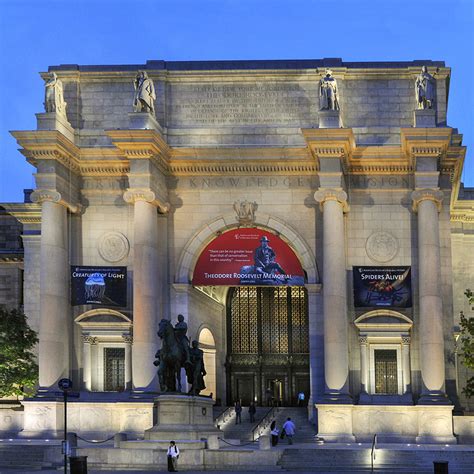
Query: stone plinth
[[45, 418], [55, 121], [182, 417], [143, 121], [392, 424], [329, 119], [425, 118]]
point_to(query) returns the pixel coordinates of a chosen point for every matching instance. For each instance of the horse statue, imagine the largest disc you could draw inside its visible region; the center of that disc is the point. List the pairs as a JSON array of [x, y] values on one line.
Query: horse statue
[[170, 358]]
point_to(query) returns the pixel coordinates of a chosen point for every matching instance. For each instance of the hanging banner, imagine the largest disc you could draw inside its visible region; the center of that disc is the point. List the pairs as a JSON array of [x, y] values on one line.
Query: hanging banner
[[105, 286], [248, 257], [382, 286]]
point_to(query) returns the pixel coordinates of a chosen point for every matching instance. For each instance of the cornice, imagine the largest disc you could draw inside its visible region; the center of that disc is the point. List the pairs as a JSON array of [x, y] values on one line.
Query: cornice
[[48, 145], [25, 213]]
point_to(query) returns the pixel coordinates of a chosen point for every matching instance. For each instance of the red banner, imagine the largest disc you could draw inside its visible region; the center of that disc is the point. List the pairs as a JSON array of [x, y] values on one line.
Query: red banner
[[248, 257]]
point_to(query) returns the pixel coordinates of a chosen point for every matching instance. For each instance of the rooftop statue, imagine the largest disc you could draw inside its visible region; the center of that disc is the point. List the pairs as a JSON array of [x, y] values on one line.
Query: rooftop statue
[[328, 92], [53, 95], [425, 89], [144, 98]]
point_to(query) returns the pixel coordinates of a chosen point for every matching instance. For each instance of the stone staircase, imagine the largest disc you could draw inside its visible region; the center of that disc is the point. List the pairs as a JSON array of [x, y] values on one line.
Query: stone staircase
[[355, 460], [30, 456], [305, 431]]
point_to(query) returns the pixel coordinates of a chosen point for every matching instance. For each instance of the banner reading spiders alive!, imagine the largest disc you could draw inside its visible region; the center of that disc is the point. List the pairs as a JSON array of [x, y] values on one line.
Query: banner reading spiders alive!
[[248, 257]]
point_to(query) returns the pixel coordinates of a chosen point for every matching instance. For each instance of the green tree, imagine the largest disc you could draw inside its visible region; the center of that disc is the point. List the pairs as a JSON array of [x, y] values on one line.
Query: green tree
[[467, 344], [18, 367]]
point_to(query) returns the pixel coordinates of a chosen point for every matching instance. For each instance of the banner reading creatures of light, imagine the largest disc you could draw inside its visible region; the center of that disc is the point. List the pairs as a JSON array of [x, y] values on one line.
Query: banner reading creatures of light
[[105, 286], [248, 257], [382, 286]]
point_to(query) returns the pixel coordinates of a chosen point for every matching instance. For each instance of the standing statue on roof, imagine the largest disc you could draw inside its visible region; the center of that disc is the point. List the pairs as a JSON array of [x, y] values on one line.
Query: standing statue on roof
[[425, 89], [53, 95], [328, 92], [144, 98]]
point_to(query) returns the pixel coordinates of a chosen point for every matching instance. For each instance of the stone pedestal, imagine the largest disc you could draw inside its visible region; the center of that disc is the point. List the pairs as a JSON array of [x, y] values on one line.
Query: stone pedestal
[[181, 417], [425, 118], [329, 119], [392, 424], [55, 121], [143, 121]]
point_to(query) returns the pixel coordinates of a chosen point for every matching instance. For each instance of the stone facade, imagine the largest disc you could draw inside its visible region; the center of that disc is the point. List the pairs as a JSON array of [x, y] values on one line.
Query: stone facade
[[371, 186]]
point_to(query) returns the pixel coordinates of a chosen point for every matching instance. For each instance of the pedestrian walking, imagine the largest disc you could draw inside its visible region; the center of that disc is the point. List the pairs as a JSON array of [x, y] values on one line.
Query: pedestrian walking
[[238, 412], [173, 456], [301, 399], [252, 411], [290, 430], [274, 432]]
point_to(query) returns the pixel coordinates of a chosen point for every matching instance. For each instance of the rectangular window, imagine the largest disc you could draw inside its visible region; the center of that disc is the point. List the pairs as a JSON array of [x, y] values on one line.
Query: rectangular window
[[386, 377], [114, 374]]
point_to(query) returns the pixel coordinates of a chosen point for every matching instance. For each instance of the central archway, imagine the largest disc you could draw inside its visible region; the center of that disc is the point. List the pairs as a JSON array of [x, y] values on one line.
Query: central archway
[[268, 345]]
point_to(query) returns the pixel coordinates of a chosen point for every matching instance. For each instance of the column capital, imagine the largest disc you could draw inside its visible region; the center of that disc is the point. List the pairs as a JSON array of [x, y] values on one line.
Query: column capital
[[406, 340], [127, 338], [87, 339], [427, 194], [41, 195], [363, 340], [133, 195], [331, 194]]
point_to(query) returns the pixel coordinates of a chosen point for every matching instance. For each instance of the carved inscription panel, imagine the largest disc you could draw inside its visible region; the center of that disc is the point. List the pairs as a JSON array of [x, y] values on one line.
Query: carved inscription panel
[[255, 103]]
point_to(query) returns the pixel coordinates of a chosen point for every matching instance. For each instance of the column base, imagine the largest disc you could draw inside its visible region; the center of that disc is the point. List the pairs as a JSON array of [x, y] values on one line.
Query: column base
[[335, 423], [434, 397], [336, 397]]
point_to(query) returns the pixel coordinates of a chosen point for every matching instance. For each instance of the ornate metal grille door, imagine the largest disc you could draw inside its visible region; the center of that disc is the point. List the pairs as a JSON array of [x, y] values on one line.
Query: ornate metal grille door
[[268, 339], [386, 376], [114, 373]]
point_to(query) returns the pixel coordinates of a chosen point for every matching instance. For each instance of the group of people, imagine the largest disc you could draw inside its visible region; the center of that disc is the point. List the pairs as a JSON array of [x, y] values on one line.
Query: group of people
[[288, 430], [238, 412]]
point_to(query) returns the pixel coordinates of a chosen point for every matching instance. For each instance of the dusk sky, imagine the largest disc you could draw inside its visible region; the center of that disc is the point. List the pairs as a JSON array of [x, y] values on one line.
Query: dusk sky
[[35, 34]]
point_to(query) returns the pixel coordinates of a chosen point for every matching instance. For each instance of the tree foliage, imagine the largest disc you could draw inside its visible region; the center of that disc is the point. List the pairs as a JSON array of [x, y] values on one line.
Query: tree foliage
[[467, 344], [18, 367]]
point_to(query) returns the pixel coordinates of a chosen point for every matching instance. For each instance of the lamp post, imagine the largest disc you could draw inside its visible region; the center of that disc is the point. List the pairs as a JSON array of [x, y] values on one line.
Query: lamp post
[[65, 385]]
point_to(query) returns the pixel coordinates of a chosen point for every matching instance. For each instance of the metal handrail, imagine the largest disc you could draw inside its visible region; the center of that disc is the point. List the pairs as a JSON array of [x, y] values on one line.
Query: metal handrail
[[224, 416], [265, 421], [372, 453]]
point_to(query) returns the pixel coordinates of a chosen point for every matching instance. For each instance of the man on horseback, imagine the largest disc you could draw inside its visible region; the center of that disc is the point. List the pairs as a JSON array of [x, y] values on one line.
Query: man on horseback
[[180, 330]]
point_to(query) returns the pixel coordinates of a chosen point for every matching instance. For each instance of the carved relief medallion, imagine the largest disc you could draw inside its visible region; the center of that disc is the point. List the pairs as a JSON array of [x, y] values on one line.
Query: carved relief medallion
[[113, 246], [381, 247]]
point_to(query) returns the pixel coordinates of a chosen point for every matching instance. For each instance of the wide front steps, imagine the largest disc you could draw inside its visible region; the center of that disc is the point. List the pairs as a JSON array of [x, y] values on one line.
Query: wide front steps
[[324, 459], [243, 430], [305, 431], [23, 457]]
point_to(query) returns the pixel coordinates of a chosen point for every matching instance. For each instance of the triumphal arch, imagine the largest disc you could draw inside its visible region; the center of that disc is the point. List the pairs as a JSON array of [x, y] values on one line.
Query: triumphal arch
[[305, 217]]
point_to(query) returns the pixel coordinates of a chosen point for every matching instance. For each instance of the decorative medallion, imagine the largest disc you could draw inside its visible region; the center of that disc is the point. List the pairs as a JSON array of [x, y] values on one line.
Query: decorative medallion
[[113, 246], [381, 247]]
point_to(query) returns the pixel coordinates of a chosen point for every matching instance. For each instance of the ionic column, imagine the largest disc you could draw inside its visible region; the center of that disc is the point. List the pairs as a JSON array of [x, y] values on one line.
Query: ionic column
[[364, 369], [86, 362], [406, 364], [55, 326], [128, 361], [146, 304], [427, 202], [336, 362]]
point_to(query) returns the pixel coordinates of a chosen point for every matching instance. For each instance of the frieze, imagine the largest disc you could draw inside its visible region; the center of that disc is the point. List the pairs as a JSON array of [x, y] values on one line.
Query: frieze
[[383, 182], [259, 182]]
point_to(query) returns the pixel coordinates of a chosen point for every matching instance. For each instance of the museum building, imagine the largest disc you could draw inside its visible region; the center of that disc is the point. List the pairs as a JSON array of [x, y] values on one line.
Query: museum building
[[306, 218]]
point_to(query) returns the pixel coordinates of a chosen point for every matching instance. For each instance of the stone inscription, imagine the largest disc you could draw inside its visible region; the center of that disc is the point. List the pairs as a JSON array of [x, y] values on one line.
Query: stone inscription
[[243, 104], [257, 182], [369, 182]]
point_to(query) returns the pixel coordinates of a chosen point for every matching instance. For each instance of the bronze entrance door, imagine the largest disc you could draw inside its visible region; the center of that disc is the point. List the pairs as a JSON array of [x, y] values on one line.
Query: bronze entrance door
[[268, 345]]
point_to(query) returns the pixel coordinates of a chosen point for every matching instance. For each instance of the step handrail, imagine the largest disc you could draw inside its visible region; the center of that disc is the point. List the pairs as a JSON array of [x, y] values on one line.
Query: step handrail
[[224, 416], [265, 421], [372, 453]]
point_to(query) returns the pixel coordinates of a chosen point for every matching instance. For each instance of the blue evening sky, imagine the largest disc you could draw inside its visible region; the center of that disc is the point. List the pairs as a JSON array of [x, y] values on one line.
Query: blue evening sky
[[37, 33]]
